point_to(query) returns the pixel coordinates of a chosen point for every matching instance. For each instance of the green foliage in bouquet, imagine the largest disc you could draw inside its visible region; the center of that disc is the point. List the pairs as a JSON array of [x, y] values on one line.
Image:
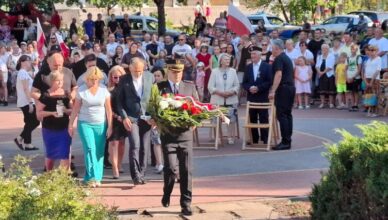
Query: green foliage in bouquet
[[52, 195], [356, 185], [174, 120]]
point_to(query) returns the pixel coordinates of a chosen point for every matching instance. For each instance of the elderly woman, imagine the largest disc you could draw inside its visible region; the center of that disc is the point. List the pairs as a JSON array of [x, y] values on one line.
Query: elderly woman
[[93, 107], [291, 52], [224, 87], [54, 107], [25, 102], [117, 139], [325, 71]]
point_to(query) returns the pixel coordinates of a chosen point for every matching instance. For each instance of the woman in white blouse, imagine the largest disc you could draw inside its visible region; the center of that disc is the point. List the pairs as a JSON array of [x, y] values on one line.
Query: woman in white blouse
[[25, 102], [325, 72], [224, 87]]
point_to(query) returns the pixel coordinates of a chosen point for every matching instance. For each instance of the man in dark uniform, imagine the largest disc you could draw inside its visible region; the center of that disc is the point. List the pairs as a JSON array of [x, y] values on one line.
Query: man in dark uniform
[[178, 145], [283, 90], [257, 81]]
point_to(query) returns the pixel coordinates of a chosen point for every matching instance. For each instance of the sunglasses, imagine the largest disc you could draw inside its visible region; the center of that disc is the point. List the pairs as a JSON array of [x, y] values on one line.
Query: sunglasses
[[264, 44]]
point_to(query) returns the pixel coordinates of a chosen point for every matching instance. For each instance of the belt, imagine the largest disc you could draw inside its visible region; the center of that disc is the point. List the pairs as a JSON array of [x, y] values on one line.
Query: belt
[[286, 84]]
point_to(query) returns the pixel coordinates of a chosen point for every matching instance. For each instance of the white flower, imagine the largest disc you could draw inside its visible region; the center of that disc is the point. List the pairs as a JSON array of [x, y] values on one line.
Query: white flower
[[176, 103], [35, 192], [163, 105]]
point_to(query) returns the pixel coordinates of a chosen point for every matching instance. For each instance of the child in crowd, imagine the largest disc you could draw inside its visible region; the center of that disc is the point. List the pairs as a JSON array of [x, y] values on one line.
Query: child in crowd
[[303, 74], [155, 136], [353, 81], [200, 79], [161, 60], [340, 80]]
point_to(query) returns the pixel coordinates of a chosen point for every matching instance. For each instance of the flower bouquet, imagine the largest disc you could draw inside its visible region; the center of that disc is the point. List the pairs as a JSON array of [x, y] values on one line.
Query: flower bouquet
[[175, 114]]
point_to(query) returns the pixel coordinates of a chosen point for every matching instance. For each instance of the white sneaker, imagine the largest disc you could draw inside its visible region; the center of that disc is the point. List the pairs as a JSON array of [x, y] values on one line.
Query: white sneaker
[[300, 107], [230, 141], [159, 169], [374, 115], [331, 106], [307, 107], [321, 106]]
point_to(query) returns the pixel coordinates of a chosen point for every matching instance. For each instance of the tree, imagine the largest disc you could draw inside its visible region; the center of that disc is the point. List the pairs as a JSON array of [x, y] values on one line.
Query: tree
[[109, 4], [161, 16]]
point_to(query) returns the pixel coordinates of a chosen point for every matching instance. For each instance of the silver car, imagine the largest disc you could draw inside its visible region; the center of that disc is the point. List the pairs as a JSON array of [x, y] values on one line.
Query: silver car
[[340, 23], [140, 24]]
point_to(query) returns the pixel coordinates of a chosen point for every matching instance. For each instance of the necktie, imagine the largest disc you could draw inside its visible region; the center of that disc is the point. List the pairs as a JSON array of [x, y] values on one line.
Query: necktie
[[176, 89], [323, 65]]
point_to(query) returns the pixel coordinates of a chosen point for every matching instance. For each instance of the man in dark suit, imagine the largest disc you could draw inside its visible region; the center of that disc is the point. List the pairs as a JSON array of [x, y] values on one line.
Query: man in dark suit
[[134, 92], [178, 145], [257, 81]]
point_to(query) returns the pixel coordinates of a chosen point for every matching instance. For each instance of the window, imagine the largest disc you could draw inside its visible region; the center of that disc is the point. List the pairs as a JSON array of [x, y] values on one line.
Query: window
[[275, 21], [152, 25], [330, 21], [255, 21], [137, 24], [343, 20]]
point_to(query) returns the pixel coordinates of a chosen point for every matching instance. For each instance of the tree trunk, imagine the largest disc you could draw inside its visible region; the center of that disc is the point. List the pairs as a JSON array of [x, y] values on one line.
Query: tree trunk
[[284, 11], [161, 17]]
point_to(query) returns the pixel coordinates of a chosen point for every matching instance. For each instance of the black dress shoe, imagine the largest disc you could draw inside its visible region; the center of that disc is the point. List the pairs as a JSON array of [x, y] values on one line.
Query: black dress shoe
[[166, 201], [187, 211], [282, 146]]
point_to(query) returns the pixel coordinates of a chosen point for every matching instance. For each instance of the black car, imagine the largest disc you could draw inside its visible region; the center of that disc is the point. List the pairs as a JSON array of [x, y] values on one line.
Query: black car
[[378, 17]]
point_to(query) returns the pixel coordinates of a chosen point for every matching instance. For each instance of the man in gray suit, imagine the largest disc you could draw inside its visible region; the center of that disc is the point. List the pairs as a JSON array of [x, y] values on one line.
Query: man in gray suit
[[134, 92]]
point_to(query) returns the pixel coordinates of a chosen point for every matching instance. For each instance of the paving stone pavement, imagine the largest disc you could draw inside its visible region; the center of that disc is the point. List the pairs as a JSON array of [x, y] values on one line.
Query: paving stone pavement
[[220, 177]]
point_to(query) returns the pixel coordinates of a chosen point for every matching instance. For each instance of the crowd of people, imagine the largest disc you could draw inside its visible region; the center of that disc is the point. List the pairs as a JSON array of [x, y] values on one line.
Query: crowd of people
[[106, 82]]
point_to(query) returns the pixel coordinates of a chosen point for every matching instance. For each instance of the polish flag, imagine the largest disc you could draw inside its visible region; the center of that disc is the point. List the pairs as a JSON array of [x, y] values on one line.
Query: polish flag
[[62, 44], [41, 40], [238, 22]]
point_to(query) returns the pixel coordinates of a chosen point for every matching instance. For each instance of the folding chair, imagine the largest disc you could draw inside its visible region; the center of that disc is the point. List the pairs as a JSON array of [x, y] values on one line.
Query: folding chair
[[383, 97], [273, 128], [215, 127]]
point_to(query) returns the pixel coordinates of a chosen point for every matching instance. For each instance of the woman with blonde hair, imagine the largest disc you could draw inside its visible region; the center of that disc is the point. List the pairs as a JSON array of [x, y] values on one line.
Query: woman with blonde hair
[[117, 139], [54, 107], [93, 107], [224, 88]]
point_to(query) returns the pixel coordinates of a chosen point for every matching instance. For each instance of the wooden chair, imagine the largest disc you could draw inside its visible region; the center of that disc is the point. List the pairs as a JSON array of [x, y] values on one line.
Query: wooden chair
[[215, 128], [383, 97], [237, 128], [273, 128]]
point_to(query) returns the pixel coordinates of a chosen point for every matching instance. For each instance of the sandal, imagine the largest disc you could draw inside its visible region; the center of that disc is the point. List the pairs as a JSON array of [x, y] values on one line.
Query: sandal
[[20, 146]]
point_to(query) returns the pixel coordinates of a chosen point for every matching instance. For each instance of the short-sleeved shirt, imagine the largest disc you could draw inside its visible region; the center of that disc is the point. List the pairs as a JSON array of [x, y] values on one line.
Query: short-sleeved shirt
[[89, 26], [168, 48], [126, 26], [42, 80], [382, 45], [283, 63], [50, 103], [99, 26], [371, 67], [128, 56], [153, 47], [329, 63], [113, 25], [340, 71], [93, 106], [353, 63], [22, 97]]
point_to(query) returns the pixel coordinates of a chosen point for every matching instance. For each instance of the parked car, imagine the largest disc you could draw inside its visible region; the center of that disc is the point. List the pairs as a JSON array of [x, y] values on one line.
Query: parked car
[[376, 16], [340, 23], [272, 22], [140, 24]]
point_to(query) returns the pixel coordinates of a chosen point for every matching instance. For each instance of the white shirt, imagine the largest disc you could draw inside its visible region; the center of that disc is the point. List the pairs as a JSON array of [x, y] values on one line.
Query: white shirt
[[111, 48], [293, 55], [181, 50], [256, 72], [330, 61], [138, 84], [174, 86], [307, 54], [382, 45], [103, 56], [372, 66], [4, 70], [22, 99]]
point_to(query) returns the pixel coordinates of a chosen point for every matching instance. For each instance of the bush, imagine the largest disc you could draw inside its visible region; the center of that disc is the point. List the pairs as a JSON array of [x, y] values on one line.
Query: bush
[[356, 184], [52, 195]]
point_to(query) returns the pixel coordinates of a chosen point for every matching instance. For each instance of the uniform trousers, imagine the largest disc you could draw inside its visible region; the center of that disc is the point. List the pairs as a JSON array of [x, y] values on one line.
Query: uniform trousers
[[284, 100]]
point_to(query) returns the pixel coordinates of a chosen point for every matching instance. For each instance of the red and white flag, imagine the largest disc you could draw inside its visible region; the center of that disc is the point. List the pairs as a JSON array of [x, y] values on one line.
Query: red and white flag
[[238, 22], [63, 46], [41, 41]]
